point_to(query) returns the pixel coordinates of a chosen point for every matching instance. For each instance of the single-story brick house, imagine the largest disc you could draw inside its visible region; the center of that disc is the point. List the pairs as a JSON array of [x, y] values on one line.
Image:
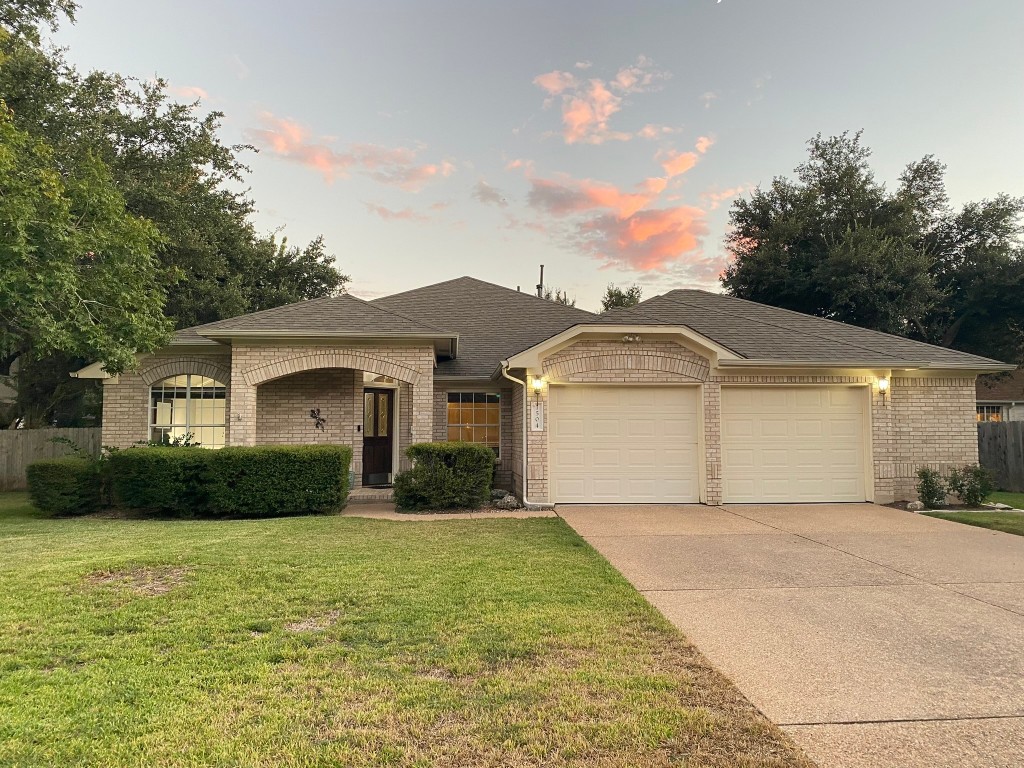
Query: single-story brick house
[[689, 397]]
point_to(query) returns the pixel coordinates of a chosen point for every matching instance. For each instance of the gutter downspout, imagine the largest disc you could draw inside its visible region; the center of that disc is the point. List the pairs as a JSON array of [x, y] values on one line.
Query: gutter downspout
[[527, 504]]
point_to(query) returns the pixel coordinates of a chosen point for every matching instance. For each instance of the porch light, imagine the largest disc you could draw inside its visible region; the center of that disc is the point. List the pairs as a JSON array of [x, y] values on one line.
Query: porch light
[[537, 383], [883, 385]]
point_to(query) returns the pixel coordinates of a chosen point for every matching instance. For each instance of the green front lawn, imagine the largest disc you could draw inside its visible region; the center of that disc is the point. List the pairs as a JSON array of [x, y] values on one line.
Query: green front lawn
[[1008, 522], [1015, 500], [323, 641]]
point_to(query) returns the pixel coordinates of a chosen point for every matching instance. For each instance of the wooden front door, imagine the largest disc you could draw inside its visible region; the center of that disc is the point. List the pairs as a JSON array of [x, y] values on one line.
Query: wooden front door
[[378, 429]]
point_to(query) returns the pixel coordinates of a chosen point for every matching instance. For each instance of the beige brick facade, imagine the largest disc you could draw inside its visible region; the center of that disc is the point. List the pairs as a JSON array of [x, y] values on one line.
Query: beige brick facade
[[924, 420], [271, 390], [126, 397], [503, 474]]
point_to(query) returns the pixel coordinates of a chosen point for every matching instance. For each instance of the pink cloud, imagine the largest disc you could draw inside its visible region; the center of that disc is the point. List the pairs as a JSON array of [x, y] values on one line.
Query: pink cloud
[[406, 214], [704, 143], [190, 92], [715, 198], [555, 82], [649, 240], [677, 163], [568, 196], [395, 166], [654, 186], [652, 131], [588, 106]]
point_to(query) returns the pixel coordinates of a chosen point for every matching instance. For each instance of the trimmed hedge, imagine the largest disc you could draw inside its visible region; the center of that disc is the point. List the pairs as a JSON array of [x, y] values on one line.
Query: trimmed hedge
[[232, 482], [447, 475], [279, 480], [68, 486], [169, 481]]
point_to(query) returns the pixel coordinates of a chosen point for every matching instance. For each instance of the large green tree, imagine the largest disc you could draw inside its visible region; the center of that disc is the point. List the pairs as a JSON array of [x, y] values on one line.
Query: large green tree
[[79, 273], [835, 242], [170, 168]]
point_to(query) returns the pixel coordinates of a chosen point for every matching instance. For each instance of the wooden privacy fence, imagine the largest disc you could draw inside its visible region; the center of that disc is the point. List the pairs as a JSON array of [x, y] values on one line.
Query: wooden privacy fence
[[20, 447], [1001, 451]]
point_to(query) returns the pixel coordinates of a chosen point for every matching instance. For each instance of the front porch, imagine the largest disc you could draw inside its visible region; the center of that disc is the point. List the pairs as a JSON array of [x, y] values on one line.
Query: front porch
[[376, 401]]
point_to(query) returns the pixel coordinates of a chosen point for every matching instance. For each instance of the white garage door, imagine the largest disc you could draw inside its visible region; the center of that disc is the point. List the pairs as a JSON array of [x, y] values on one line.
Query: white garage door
[[793, 444], [623, 444]]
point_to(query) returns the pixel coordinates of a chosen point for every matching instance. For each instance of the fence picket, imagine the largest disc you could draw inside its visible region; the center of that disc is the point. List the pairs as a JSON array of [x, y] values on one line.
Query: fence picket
[[20, 447]]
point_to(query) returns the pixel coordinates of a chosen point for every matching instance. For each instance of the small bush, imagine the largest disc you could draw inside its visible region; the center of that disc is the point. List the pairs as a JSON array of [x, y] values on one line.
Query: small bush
[[279, 480], [451, 475], [232, 482], [931, 489], [170, 481], [68, 486], [971, 484]]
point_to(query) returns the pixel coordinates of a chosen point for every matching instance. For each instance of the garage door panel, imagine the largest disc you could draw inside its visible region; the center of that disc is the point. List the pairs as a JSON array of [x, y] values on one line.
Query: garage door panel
[[793, 444], [772, 428], [624, 444]]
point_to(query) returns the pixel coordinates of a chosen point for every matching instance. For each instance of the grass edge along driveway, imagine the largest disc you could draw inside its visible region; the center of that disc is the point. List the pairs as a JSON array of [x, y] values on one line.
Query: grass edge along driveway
[[1006, 521], [327, 640]]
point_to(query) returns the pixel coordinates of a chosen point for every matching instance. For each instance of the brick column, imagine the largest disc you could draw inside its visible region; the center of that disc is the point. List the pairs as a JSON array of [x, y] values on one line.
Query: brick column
[[712, 392], [883, 445], [537, 447], [242, 413], [422, 427], [357, 420]]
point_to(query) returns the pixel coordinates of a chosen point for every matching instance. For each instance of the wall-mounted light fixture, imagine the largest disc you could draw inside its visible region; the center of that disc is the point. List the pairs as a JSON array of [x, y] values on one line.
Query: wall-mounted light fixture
[[538, 384], [631, 338], [883, 386]]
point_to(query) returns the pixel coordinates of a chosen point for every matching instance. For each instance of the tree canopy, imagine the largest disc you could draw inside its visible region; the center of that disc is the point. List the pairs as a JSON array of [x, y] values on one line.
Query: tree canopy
[[620, 297], [836, 243], [121, 207]]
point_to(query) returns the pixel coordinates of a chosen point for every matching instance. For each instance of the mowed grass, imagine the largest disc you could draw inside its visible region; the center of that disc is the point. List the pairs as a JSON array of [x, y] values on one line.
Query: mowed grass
[[324, 641], [1015, 500], [1007, 522]]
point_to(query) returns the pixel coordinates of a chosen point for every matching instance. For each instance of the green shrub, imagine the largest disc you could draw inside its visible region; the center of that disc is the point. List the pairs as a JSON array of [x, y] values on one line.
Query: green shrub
[[232, 482], [169, 481], [67, 486], [279, 480], [451, 475], [931, 489], [971, 484]]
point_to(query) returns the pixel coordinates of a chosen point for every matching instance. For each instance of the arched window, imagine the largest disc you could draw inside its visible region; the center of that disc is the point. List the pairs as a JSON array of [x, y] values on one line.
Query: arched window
[[185, 404]]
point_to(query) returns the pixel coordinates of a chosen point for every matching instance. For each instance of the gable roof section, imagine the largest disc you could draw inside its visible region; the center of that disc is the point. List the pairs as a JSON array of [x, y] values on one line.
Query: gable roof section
[[493, 322], [342, 315], [764, 333], [1007, 388]]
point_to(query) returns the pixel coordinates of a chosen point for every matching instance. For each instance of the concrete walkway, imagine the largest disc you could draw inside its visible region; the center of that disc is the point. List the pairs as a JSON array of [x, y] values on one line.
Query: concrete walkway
[[874, 637]]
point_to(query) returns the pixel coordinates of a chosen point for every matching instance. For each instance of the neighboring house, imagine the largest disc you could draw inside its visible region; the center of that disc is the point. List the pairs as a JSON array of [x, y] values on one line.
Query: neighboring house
[[1001, 397], [687, 397]]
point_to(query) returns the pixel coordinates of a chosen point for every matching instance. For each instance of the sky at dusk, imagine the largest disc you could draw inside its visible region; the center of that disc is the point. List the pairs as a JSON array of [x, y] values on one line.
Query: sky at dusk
[[428, 140]]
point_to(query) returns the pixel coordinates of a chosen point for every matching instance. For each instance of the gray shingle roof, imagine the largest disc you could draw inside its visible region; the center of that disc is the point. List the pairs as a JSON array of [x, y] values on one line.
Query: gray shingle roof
[[493, 322], [761, 332], [334, 314]]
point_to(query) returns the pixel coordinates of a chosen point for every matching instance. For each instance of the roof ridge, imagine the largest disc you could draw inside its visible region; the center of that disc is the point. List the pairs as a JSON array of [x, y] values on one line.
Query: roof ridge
[[785, 327], [655, 321], [387, 311], [824, 319], [490, 285], [267, 311]]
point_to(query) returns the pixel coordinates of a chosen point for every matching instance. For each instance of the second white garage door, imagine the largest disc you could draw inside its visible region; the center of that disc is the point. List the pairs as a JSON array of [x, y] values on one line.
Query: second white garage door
[[793, 444], [611, 444]]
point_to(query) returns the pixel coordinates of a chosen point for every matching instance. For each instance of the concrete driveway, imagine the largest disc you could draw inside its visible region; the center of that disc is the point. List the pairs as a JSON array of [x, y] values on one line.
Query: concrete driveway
[[874, 637]]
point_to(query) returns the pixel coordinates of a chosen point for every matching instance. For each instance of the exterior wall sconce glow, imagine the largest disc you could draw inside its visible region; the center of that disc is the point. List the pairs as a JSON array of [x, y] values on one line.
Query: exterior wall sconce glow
[[883, 386], [537, 383]]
